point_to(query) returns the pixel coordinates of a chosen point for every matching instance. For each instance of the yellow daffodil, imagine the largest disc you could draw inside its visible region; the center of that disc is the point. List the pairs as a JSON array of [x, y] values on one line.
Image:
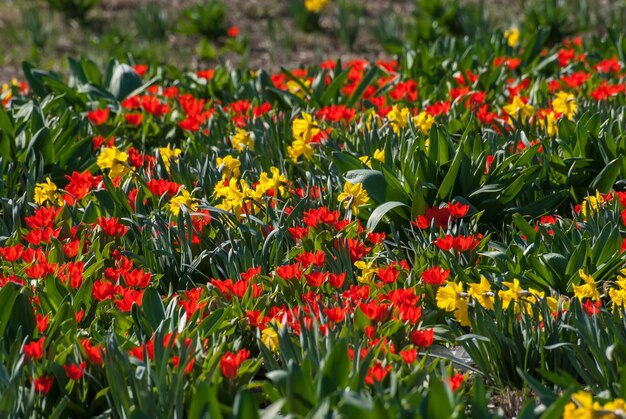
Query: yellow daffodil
[[511, 294], [565, 103], [424, 121], [587, 289], [183, 198], [398, 117], [512, 37], [229, 166], [47, 192], [482, 293], [353, 195], [591, 203], [296, 89], [274, 183], [378, 155], [367, 271], [168, 154], [243, 140], [269, 337], [315, 6], [449, 295], [115, 160], [517, 108], [304, 128]]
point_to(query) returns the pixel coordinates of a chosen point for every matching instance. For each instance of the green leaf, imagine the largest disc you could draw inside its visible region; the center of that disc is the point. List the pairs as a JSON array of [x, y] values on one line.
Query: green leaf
[[604, 181], [124, 81], [245, 406], [152, 306], [380, 211]]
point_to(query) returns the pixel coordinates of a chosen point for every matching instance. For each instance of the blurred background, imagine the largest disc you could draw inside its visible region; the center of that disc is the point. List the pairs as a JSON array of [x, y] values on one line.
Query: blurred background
[[269, 34]]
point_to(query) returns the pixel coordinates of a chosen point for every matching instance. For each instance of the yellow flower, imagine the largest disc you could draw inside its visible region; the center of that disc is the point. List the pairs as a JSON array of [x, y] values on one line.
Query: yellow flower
[[229, 166], [590, 204], [315, 6], [565, 103], [512, 37], [482, 293], [550, 123], [511, 294], [398, 117], [519, 109], [424, 121], [242, 140], [367, 271], [47, 192], [296, 89], [378, 155], [587, 289], [583, 407], [275, 183], [353, 195], [300, 148], [269, 337], [304, 129], [449, 296], [183, 198], [168, 154], [115, 160], [460, 314]]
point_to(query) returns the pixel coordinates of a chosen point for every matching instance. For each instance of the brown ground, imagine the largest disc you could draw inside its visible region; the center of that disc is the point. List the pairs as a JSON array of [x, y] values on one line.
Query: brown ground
[[288, 46]]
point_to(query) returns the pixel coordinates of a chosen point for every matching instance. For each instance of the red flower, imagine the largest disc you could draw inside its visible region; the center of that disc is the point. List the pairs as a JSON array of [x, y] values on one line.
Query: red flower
[[288, 272], [75, 372], [435, 275], [93, 352], [98, 116], [335, 314], [336, 281], [134, 119], [43, 384], [456, 381], [230, 363], [137, 278], [315, 279], [409, 355], [34, 349], [129, 297], [388, 275], [377, 373], [112, 227], [42, 322], [12, 253], [233, 31], [423, 338], [102, 290]]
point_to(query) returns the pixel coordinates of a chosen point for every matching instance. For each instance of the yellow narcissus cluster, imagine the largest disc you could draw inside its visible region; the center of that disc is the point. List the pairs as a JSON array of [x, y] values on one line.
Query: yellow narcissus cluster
[[303, 130], [367, 271], [115, 160], [452, 298], [233, 194], [353, 196], [618, 294], [583, 406], [47, 192]]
